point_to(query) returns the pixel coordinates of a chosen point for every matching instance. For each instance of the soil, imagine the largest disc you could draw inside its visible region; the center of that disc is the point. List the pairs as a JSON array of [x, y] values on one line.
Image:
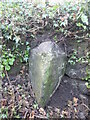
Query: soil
[[67, 101], [65, 92]]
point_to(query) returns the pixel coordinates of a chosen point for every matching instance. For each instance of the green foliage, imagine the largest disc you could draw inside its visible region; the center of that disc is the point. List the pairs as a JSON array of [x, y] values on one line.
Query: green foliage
[[7, 60], [18, 20], [55, 38], [3, 113], [73, 58]]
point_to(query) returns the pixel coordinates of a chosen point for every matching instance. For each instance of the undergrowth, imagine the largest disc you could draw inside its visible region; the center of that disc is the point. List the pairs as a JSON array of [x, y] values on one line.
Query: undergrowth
[[22, 21], [18, 20]]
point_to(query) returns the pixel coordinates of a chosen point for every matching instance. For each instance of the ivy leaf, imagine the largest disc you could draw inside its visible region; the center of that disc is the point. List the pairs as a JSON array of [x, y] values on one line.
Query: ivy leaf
[[55, 25], [1, 68], [7, 67], [55, 7], [2, 75], [17, 39], [44, 16], [3, 116], [5, 62], [11, 60], [84, 19], [81, 25], [25, 59]]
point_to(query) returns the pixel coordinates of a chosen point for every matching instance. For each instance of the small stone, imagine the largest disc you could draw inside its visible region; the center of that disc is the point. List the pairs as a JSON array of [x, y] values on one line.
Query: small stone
[[82, 116], [84, 99], [83, 88], [57, 110]]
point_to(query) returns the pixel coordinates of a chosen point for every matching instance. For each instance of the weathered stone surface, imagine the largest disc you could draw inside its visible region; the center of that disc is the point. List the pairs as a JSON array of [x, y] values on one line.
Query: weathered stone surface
[[46, 67], [83, 88], [81, 47], [77, 71]]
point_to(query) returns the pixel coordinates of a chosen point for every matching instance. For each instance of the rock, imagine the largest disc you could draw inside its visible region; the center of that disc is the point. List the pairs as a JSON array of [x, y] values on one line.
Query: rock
[[77, 71], [82, 116], [84, 99], [81, 47], [83, 88], [79, 85], [46, 68]]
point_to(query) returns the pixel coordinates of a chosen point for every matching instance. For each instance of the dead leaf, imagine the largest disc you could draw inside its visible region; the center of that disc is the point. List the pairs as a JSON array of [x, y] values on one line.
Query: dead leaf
[[42, 111], [75, 100], [64, 113], [75, 110], [51, 113], [3, 102], [19, 97], [69, 103], [62, 18], [57, 110], [74, 16], [32, 114]]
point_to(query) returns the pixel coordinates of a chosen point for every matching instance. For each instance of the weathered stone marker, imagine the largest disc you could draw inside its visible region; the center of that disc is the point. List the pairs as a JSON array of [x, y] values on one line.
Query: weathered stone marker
[[46, 68]]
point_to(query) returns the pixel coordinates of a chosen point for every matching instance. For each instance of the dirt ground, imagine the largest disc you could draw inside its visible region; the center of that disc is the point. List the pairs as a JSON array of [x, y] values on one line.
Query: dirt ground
[[67, 101]]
